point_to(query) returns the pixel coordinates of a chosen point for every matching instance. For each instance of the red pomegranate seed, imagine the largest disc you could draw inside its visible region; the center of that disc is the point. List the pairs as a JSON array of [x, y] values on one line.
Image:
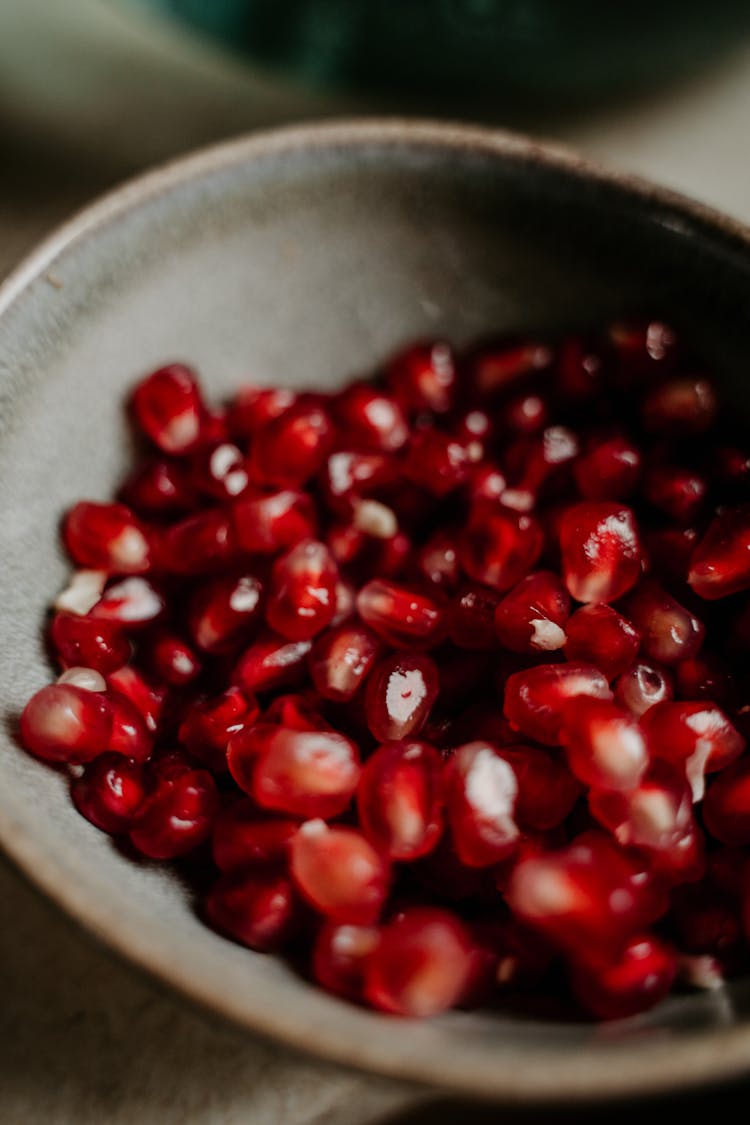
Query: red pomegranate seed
[[270, 662], [486, 482], [423, 377], [604, 745], [86, 642], [297, 711], [267, 523], [254, 908], [438, 462], [535, 699], [531, 618], [500, 366], [536, 465], [720, 564], [302, 591], [682, 407], [402, 617], [66, 723], [580, 369], [224, 612], [244, 836], [726, 806], [171, 659], [421, 965], [481, 794], [220, 471], [340, 957], [471, 618], [305, 773], [524, 415], [499, 548], [107, 537], [341, 659], [177, 816], [149, 698], [200, 544], [601, 552], [292, 448], [209, 724], [679, 493], [655, 814], [131, 604], [350, 474], [609, 469], [169, 409], [599, 635], [252, 408], [437, 562], [587, 896], [637, 979], [399, 799], [109, 792], [400, 692], [697, 737], [339, 872], [371, 418], [643, 350], [131, 735], [547, 789], [159, 488], [669, 632], [642, 686]]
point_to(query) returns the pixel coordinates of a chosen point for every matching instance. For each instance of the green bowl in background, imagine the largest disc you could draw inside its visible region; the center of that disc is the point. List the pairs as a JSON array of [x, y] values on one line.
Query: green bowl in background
[[539, 52]]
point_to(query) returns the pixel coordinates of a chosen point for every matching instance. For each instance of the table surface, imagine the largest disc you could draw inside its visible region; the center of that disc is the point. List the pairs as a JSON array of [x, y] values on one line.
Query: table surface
[[88, 95]]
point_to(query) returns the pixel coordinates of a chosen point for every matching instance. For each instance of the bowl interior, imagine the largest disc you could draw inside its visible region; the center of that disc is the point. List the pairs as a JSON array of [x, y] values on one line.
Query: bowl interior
[[301, 259]]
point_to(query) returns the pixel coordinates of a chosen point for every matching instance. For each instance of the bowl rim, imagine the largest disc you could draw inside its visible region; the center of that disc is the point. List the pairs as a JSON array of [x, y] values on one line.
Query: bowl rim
[[640, 1067]]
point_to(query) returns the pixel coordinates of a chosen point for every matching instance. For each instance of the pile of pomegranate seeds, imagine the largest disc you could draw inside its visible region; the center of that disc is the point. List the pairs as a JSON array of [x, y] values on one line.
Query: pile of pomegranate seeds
[[437, 684]]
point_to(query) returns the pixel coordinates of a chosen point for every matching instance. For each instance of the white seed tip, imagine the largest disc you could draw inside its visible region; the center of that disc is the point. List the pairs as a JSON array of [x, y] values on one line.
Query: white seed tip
[[82, 592], [86, 678]]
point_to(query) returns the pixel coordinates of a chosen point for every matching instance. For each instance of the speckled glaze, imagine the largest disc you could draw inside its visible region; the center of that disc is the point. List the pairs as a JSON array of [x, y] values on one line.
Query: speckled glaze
[[300, 257]]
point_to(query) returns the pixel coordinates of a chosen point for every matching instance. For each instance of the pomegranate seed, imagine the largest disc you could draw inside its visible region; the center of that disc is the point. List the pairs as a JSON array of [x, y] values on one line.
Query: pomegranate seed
[[297, 711], [169, 410], [656, 814], [580, 369], [269, 662], [486, 482], [131, 735], [399, 695], [532, 616], [341, 659], [499, 548], [601, 552], [642, 686], [423, 377], [292, 448], [401, 617], [726, 807], [720, 564], [438, 462], [371, 419], [147, 697], [437, 562], [265, 524], [244, 837], [339, 872], [643, 350], [639, 977], [87, 678], [177, 816], [421, 965], [526, 414], [697, 737], [65, 723], [303, 591], [604, 745], [471, 618], [107, 537], [158, 488], [252, 408], [498, 367], [538, 464], [199, 544], [209, 724], [669, 632], [131, 604], [678, 493], [171, 659], [482, 789], [305, 773], [547, 789], [681, 407], [400, 799], [86, 642], [220, 472], [599, 635], [609, 469], [109, 792], [340, 957], [586, 896], [536, 698], [224, 612], [254, 908], [83, 591]]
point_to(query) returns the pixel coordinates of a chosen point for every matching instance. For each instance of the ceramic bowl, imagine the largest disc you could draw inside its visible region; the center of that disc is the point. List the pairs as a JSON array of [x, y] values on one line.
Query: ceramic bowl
[[301, 257]]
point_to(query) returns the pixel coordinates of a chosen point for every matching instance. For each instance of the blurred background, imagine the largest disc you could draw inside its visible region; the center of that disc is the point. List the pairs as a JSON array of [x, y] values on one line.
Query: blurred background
[[92, 91]]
